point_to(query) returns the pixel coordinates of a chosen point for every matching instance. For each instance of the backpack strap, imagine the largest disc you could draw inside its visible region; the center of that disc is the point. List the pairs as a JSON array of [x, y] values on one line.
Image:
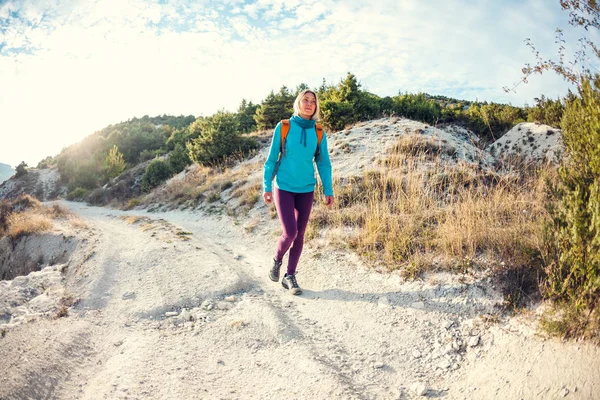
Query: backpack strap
[[319, 129], [285, 128]]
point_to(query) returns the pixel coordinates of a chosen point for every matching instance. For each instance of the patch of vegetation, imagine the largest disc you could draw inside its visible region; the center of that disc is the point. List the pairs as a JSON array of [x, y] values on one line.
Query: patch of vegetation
[[157, 172], [456, 213], [79, 194], [573, 233], [26, 215]]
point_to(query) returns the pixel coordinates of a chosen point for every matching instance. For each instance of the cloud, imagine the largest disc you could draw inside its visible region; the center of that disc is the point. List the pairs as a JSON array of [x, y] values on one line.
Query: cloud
[[68, 68]]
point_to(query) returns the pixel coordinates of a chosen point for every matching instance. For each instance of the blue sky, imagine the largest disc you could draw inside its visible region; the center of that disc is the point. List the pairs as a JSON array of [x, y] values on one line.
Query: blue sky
[[70, 68]]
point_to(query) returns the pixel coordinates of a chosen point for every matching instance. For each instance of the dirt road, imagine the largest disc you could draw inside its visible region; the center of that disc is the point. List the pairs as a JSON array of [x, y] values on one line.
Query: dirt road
[[178, 305]]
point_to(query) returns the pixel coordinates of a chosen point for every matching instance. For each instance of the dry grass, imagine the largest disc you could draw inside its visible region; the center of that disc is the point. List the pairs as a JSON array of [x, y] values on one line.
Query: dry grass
[[209, 184], [26, 215], [134, 219], [419, 146], [213, 187], [419, 208], [252, 224], [27, 222], [249, 194]]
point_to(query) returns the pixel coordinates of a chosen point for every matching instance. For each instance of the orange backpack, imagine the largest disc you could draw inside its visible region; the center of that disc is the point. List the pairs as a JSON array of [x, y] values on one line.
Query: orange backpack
[[285, 128]]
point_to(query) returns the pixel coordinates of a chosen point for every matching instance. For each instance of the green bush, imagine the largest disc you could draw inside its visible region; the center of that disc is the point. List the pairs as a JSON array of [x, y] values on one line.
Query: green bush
[[98, 197], [79, 194], [219, 139], [115, 164], [21, 170], [178, 159], [85, 174], [147, 154], [546, 111], [245, 115], [46, 163], [573, 270], [156, 173], [274, 108], [417, 107], [337, 115]]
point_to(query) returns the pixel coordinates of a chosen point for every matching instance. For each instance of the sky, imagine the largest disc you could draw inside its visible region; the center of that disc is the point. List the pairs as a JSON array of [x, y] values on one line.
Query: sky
[[70, 68]]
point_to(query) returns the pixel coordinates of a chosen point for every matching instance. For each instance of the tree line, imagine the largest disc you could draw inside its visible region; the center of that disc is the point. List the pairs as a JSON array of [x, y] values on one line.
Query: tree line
[[170, 143]]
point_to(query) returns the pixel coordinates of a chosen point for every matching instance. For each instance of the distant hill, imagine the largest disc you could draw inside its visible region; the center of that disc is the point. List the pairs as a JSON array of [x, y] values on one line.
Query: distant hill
[[6, 171]]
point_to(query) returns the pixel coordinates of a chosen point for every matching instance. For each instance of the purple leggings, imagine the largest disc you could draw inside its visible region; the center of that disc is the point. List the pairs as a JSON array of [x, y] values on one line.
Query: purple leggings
[[293, 210]]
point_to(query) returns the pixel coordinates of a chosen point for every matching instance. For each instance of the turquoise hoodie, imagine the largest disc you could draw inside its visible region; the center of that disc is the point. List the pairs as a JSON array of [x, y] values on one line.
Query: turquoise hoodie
[[296, 172]]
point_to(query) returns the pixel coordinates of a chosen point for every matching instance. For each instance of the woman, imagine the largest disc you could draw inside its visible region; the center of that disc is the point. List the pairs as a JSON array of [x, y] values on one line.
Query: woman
[[295, 181]]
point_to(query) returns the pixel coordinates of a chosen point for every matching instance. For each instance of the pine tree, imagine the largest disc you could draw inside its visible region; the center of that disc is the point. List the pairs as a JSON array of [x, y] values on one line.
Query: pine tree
[[115, 163]]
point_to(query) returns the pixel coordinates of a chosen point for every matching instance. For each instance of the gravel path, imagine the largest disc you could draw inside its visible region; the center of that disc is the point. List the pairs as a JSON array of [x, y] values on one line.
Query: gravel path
[[178, 305]]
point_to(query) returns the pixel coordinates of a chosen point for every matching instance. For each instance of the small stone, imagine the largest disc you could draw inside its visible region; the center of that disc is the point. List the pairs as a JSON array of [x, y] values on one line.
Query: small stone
[[223, 305], [207, 305], [171, 314], [419, 305], [444, 364], [119, 343], [378, 365], [565, 392], [231, 299], [419, 388], [128, 295], [474, 341], [186, 315], [448, 349], [416, 354], [448, 324]]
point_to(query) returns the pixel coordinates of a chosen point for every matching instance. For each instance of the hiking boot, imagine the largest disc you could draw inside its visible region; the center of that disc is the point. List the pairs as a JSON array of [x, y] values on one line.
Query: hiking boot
[[289, 282], [274, 272]]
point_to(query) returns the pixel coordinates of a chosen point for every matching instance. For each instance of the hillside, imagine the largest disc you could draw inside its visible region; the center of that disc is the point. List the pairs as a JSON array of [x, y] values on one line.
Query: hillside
[[6, 171], [176, 291]]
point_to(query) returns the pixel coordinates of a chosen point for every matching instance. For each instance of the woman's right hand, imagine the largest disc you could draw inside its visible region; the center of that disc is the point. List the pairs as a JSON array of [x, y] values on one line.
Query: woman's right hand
[[268, 197]]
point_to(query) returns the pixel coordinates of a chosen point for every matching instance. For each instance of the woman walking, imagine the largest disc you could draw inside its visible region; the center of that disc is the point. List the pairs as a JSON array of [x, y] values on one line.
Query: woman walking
[[290, 164]]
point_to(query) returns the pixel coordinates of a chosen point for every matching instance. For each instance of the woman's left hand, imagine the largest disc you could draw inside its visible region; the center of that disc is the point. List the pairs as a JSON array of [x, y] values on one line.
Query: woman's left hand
[[328, 200]]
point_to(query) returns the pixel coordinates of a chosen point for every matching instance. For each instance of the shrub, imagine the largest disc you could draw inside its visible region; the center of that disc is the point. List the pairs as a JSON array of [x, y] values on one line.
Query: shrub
[[148, 154], [98, 197], [21, 169], [337, 115], [133, 203], [573, 241], [115, 163], [546, 111], [84, 175], [219, 139], [21, 224], [5, 211], [274, 108], [79, 194], [26, 215], [178, 159], [156, 173]]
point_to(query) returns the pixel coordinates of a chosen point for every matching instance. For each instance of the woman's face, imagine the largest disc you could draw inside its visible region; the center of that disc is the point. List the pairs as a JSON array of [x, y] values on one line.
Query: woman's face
[[308, 106]]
